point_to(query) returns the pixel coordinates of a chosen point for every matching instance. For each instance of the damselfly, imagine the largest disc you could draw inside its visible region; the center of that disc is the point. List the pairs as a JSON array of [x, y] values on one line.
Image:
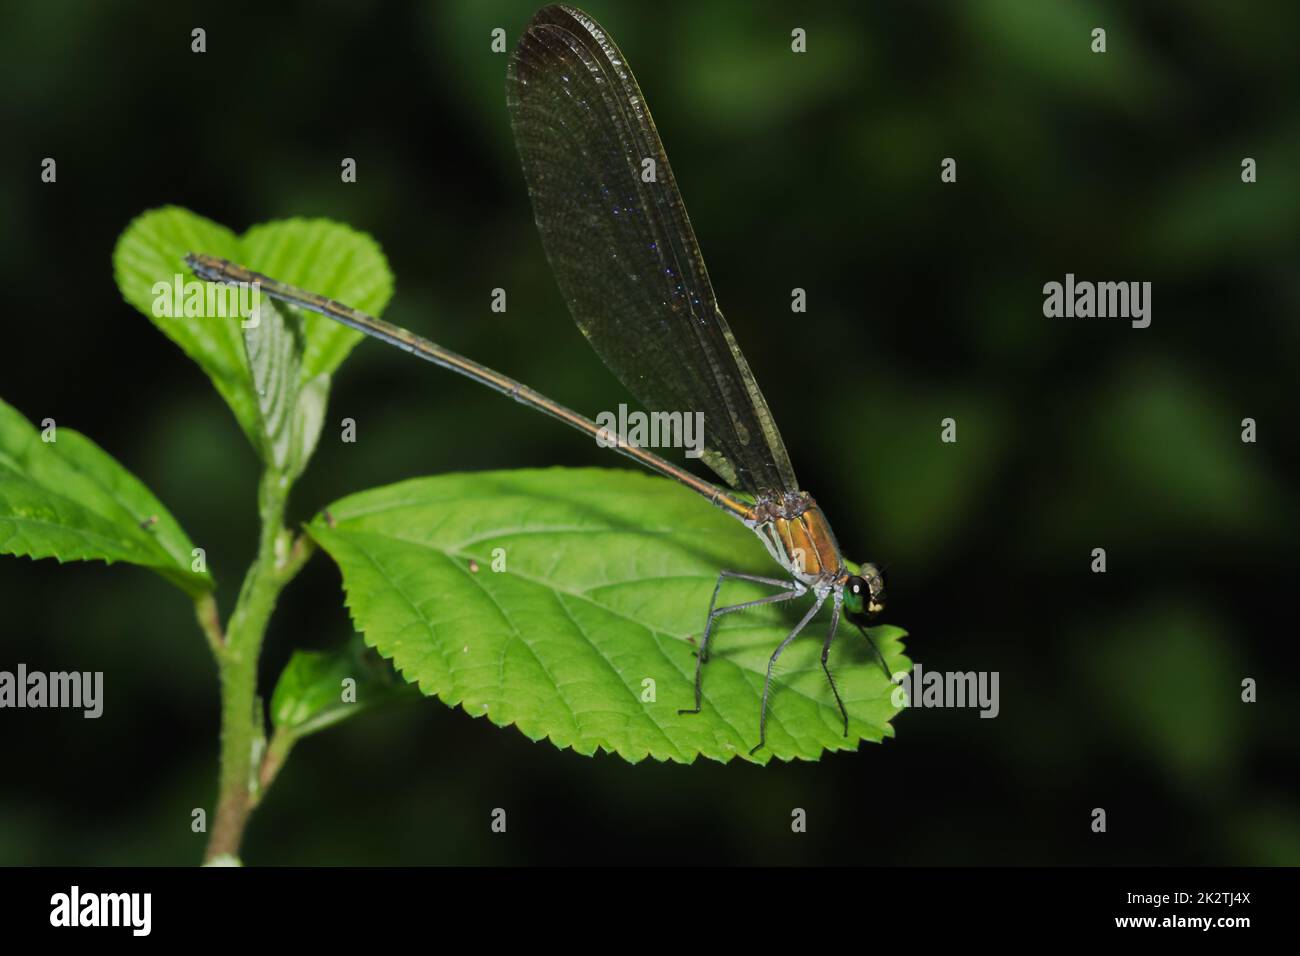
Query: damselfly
[[623, 251]]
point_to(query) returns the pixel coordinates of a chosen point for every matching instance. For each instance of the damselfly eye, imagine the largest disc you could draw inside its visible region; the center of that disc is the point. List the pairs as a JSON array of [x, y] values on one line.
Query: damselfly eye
[[855, 595]]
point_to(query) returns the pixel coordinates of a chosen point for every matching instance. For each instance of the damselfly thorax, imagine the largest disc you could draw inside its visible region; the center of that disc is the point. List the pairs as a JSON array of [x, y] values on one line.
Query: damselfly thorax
[[799, 538]]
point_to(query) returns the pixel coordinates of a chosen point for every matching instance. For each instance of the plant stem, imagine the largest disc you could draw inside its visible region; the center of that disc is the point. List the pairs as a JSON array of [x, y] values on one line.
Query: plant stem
[[242, 731], [205, 609], [277, 752]]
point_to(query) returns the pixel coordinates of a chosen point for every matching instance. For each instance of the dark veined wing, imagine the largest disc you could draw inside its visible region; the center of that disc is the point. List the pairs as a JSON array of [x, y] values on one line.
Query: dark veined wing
[[623, 250]]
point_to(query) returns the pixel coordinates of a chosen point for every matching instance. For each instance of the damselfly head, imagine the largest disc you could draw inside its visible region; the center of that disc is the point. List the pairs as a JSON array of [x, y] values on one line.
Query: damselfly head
[[864, 594]]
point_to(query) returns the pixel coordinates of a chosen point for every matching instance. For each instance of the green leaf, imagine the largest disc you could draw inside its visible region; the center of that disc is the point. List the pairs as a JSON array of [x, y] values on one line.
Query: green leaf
[[309, 695], [274, 346], [328, 258], [292, 410], [69, 499], [323, 256], [151, 250], [308, 419], [607, 575]]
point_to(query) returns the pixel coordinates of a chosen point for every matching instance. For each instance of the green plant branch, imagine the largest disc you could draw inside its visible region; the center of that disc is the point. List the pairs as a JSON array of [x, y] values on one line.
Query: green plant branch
[[277, 752], [205, 609], [299, 554], [242, 729]]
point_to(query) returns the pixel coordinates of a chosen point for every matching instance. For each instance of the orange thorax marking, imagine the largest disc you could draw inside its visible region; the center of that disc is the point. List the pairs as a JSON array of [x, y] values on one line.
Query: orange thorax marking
[[808, 541]]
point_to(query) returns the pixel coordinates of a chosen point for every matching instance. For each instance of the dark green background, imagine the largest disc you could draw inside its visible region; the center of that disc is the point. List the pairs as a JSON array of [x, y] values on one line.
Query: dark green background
[[819, 171]]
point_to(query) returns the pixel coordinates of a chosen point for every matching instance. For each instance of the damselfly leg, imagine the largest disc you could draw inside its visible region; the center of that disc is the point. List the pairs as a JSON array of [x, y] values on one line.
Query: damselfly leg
[[879, 656], [767, 681], [791, 590], [826, 653]]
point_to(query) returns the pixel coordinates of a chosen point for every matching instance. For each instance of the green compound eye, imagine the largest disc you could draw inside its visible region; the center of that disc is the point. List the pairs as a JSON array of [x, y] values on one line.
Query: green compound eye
[[855, 594]]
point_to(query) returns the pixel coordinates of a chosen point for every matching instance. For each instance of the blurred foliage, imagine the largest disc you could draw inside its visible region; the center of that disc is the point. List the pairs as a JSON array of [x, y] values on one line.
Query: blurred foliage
[[1118, 690]]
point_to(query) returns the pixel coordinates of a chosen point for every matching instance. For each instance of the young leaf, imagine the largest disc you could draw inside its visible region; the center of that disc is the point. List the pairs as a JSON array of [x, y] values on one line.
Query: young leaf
[[568, 602], [69, 499], [150, 251], [311, 693], [292, 409], [325, 257], [319, 255], [308, 419], [274, 346]]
